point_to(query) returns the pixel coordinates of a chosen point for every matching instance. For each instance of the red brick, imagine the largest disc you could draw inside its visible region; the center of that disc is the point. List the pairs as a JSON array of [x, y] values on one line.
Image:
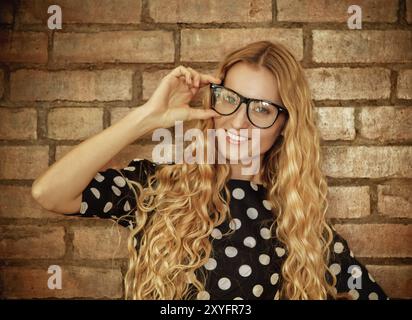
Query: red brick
[[31, 242], [101, 85], [395, 200], [23, 162], [349, 83], [348, 202], [335, 123], [335, 11], [213, 44], [338, 46], [1, 83], [396, 281], [409, 11], [386, 123], [367, 161], [18, 123], [378, 240], [100, 242], [17, 202], [114, 46], [74, 123], [77, 282], [211, 11], [83, 11], [16, 46], [405, 84]]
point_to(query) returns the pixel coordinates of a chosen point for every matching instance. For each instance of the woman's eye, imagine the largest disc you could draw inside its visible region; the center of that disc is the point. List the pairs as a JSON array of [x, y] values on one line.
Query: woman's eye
[[230, 99], [261, 109]]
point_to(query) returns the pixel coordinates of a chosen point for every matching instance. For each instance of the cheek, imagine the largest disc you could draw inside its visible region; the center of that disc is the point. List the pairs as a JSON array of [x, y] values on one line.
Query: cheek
[[267, 139]]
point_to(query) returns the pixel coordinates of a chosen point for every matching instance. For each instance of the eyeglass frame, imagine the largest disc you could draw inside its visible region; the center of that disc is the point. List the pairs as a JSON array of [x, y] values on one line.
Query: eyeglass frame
[[281, 109]]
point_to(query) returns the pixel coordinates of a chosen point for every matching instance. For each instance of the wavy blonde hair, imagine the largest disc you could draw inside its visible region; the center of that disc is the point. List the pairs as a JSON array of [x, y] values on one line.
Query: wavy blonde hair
[[182, 203]]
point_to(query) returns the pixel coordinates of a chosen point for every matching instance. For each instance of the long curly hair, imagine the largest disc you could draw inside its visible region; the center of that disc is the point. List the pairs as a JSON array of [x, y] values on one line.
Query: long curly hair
[[182, 203]]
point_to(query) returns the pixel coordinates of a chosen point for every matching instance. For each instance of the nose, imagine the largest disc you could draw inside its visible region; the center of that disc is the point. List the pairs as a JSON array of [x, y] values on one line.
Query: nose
[[239, 118]]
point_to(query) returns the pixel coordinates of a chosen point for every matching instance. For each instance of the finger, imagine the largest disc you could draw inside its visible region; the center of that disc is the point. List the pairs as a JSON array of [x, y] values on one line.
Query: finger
[[181, 71], [205, 79], [202, 114], [195, 75]]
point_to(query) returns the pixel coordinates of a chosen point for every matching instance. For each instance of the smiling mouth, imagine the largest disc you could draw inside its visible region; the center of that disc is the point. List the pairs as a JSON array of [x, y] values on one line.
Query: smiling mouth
[[235, 139]]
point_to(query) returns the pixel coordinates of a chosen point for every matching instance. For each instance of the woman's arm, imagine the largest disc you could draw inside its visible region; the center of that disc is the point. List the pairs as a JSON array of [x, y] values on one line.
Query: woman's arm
[[59, 188]]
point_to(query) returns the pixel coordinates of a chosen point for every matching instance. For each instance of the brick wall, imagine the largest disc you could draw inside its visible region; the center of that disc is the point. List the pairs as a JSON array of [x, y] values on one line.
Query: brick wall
[[59, 87]]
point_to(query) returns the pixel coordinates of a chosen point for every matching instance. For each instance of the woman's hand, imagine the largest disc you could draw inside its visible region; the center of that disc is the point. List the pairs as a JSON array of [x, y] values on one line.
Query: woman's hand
[[170, 101]]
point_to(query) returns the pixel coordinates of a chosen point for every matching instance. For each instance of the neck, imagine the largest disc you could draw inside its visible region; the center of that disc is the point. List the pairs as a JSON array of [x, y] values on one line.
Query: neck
[[236, 172]]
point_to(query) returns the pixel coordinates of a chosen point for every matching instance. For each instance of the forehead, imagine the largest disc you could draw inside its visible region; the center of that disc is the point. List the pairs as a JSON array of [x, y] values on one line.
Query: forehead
[[252, 81]]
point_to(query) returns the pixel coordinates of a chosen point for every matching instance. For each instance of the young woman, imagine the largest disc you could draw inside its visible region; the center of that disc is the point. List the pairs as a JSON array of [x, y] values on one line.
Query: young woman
[[208, 231]]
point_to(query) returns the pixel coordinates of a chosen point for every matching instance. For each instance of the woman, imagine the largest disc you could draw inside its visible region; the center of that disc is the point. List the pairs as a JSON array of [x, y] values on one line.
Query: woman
[[210, 231]]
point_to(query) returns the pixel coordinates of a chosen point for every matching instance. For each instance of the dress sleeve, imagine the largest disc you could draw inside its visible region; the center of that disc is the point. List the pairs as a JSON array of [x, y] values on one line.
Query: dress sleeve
[[352, 277], [109, 196]]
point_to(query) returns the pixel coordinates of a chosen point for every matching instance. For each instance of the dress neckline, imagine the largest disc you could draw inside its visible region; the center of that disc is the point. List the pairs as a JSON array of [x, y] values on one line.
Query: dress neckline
[[245, 181]]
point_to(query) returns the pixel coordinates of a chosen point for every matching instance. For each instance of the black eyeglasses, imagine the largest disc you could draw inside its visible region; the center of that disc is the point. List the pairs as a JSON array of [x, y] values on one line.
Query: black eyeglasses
[[261, 113]]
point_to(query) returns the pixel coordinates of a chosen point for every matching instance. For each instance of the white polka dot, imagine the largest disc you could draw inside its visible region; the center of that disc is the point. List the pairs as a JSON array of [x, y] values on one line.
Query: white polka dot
[[238, 298], [95, 192], [235, 224], [356, 272], [254, 186], [335, 268], [126, 206], [107, 207], [280, 251], [264, 259], [83, 207], [351, 254], [231, 251], [252, 213], [116, 191], [373, 296], [203, 295], [338, 247], [99, 177], [211, 264], [274, 278], [119, 181], [276, 296], [265, 233], [238, 193], [245, 270], [130, 168], [371, 278], [354, 293], [257, 290], [267, 205], [249, 242], [216, 233], [224, 283]]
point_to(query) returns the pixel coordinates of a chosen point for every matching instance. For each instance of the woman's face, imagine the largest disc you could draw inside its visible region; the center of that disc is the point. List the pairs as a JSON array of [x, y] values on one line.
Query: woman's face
[[251, 82]]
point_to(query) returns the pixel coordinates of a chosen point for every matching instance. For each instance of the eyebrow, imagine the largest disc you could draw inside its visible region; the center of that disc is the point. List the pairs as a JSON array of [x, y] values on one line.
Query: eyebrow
[[276, 103]]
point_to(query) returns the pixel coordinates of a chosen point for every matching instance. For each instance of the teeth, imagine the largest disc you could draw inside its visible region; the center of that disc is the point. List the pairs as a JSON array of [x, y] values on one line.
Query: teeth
[[236, 137]]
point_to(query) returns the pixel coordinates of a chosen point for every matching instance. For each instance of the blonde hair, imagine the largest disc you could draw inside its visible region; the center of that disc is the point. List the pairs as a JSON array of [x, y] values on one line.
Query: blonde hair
[[182, 203]]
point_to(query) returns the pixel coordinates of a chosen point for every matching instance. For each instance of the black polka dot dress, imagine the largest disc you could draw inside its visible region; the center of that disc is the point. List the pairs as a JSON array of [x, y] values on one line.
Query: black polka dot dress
[[244, 265]]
